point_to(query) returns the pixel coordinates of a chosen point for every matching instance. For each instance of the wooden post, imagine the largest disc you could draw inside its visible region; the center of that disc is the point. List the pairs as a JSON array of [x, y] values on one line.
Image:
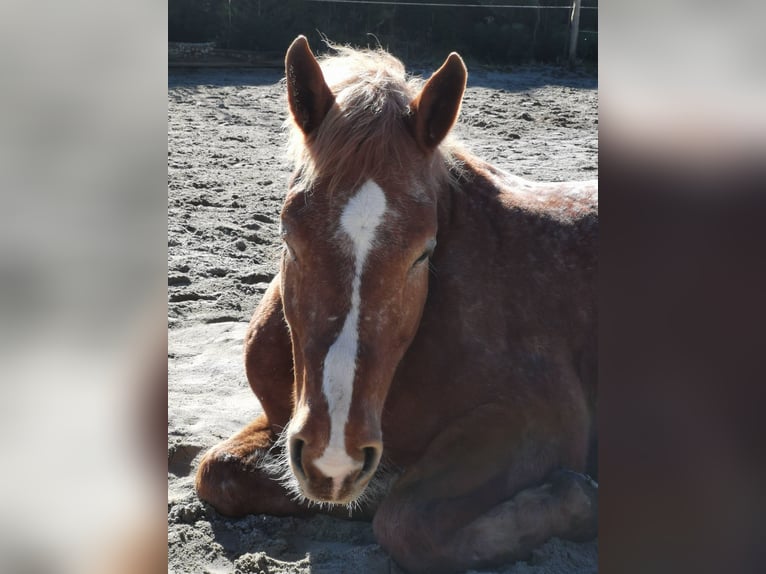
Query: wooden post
[[228, 34], [574, 31]]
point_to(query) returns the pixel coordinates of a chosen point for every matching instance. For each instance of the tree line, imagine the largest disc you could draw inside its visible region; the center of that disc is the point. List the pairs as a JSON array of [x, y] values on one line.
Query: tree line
[[486, 34]]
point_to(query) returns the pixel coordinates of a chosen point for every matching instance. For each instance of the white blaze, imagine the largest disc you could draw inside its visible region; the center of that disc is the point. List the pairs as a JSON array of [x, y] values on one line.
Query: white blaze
[[359, 221]]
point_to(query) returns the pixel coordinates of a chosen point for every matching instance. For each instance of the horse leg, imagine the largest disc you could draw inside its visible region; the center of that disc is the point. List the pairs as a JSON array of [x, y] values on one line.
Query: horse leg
[[230, 476], [448, 517], [565, 505]]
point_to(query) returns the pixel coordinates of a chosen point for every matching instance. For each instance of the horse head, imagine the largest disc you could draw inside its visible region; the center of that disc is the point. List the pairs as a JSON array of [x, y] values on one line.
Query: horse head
[[359, 225]]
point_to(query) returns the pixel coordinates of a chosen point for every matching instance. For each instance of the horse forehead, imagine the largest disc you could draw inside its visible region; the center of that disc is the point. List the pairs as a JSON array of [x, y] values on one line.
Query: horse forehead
[[364, 213], [385, 219], [360, 216], [401, 199]]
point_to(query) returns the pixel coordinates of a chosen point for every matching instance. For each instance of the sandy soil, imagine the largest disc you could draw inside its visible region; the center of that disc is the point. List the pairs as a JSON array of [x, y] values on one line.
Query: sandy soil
[[226, 181]]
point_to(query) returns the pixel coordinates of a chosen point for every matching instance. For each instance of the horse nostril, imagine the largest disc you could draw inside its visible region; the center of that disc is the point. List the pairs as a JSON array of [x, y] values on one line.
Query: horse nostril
[[371, 459], [296, 452]]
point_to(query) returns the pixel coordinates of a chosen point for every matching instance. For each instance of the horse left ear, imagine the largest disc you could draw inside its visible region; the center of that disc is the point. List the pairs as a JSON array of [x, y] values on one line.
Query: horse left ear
[[308, 95], [435, 109]]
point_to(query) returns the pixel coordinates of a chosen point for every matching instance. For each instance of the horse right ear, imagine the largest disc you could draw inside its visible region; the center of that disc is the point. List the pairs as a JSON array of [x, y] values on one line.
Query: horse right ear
[[435, 109], [308, 95]]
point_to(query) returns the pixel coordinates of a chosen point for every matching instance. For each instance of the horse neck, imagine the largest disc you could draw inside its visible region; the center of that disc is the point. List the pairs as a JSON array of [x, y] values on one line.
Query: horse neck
[[493, 234], [494, 223], [468, 201]]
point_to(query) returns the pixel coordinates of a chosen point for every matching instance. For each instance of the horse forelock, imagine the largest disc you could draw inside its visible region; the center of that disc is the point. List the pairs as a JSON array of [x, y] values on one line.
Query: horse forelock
[[364, 135]]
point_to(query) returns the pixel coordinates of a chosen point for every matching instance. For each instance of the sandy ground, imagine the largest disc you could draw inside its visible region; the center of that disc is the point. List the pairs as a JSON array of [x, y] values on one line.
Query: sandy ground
[[226, 181]]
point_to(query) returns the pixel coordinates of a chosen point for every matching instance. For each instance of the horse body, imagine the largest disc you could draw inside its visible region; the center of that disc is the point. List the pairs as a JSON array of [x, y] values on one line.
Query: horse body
[[510, 314], [431, 312]]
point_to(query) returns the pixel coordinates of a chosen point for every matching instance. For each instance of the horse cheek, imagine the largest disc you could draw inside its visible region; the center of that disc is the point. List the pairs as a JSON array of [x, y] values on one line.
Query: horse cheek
[[412, 308]]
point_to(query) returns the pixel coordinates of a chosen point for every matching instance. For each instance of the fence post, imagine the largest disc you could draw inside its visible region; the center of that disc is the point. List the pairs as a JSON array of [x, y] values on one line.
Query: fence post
[[574, 31]]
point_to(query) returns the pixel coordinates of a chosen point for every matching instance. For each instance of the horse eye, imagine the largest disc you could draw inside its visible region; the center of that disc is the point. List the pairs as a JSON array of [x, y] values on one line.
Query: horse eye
[[426, 254]]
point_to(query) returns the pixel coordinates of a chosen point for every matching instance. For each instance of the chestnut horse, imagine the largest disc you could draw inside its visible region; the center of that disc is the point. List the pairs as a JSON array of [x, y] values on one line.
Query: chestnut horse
[[426, 355]]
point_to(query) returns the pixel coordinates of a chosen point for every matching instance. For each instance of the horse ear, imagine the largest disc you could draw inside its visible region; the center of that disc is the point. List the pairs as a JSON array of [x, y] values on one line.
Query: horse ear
[[308, 95], [436, 107]]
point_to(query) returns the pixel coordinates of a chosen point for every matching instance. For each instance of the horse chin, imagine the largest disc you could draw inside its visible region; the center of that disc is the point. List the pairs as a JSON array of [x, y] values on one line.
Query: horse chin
[[346, 500], [324, 494]]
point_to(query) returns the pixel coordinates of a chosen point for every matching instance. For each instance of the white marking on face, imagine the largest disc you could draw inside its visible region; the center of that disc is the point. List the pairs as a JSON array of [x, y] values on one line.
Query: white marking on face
[[360, 220]]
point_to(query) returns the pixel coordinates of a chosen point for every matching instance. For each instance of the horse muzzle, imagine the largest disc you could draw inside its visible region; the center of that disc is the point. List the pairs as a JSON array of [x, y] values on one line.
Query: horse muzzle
[[333, 475]]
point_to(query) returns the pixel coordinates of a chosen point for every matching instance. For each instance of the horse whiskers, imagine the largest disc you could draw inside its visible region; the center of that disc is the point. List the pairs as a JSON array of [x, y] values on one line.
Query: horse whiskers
[[432, 269], [275, 462]]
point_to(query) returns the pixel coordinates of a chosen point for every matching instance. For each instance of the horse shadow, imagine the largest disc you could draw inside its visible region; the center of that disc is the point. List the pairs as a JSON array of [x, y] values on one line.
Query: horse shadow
[[321, 544]]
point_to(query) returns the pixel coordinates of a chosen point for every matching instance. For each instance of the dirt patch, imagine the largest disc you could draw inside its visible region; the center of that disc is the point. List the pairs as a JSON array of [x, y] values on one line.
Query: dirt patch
[[227, 177]]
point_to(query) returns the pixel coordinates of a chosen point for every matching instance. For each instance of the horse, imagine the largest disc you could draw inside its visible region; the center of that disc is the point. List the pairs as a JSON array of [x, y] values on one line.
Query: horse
[[426, 356]]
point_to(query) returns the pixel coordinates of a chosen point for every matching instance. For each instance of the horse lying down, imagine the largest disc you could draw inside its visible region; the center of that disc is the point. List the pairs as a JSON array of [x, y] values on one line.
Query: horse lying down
[[426, 355]]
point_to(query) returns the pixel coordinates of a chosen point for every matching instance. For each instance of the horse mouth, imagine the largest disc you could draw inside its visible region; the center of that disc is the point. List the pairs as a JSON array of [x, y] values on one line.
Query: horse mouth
[[326, 490]]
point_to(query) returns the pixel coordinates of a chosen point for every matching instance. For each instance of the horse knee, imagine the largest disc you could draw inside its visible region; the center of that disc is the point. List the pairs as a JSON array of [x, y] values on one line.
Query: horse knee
[[233, 480], [215, 481], [577, 497], [410, 538]]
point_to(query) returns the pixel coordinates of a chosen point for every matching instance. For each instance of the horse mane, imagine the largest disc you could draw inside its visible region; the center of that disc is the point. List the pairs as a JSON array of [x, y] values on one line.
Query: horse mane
[[363, 136]]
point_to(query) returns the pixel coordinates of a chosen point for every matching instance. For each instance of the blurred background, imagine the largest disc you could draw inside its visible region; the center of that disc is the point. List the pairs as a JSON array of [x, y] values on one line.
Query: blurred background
[[491, 32], [83, 200]]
